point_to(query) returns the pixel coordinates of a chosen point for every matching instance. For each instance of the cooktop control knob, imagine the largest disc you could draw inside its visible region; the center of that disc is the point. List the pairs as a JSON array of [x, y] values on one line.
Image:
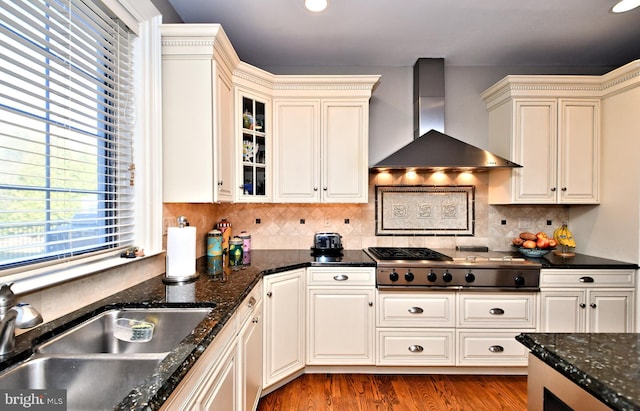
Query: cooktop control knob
[[394, 276], [409, 276], [470, 277], [447, 277], [432, 277], [519, 280]]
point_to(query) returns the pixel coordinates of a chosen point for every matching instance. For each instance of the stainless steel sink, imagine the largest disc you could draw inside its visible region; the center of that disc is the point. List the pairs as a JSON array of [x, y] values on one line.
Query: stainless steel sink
[[96, 369], [91, 383], [96, 335]]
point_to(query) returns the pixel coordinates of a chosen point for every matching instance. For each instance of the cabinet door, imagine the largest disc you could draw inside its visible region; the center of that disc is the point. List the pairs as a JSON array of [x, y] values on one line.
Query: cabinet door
[[223, 122], [562, 311], [341, 326], [535, 149], [283, 325], [297, 151], [221, 392], [345, 168], [253, 147], [610, 311], [578, 151], [250, 341]]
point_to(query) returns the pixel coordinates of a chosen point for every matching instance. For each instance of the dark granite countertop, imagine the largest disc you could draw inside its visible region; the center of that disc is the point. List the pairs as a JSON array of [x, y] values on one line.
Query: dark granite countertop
[[605, 365], [224, 294]]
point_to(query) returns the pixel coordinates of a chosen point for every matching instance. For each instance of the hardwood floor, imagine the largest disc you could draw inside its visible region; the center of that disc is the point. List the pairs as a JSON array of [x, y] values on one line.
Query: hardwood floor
[[364, 392]]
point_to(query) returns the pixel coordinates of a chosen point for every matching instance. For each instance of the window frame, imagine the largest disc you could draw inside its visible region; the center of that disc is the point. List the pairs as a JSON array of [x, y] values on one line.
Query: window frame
[[142, 17]]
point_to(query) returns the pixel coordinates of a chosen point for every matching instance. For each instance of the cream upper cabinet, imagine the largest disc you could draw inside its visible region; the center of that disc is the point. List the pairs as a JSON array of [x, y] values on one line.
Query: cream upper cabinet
[[321, 139], [197, 120], [552, 134]]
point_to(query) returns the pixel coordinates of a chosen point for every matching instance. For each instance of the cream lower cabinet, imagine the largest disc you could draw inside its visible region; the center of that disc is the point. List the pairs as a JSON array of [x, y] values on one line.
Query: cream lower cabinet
[[554, 135], [340, 316], [587, 301], [284, 325], [416, 328], [228, 376], [488, 324]]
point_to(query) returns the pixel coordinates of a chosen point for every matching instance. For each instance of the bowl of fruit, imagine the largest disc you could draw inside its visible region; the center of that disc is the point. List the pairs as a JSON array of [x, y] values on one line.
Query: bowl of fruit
[[534, 245]]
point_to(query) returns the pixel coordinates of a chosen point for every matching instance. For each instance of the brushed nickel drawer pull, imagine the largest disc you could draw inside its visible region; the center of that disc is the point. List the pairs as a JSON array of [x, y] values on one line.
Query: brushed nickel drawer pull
[[416, 310], [586, 279], [496, 311], [252, 301], [416, 348], [341, 277], [496, 348]]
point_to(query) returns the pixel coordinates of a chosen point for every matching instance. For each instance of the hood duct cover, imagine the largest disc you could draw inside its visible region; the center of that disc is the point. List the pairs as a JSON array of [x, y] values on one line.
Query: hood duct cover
[[433, 149]]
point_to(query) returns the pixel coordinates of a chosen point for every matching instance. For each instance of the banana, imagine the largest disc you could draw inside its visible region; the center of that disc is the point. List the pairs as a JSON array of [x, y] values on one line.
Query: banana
[[563, 236]]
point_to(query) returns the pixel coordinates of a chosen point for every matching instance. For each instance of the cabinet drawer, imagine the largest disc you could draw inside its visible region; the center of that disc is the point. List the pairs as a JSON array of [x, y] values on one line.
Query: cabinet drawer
[[399, 309], [340, 276], [502, 310], [479, 347], [416, 347], [249, 303], [587, 278]]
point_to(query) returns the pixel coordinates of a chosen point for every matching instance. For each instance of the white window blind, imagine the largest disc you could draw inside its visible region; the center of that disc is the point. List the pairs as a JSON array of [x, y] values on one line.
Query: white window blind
[[66, 130]]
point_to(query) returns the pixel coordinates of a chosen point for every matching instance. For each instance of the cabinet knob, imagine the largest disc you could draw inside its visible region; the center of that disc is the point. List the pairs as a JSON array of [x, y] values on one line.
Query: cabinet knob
[[553, 189], [583, 305], [564, 188], [416, 348], [220, 183], [325, 188], [254, 320], [252, 302], [496, 348], [269, 293], [315, 188], [593, 305], [370, 303]]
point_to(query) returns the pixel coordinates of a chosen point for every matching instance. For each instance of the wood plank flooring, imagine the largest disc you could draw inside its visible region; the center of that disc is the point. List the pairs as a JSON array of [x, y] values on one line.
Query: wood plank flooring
[[365, 392]]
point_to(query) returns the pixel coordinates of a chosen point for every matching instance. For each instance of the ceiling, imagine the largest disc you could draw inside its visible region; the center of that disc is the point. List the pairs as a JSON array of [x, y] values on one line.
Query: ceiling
[[397, 32]]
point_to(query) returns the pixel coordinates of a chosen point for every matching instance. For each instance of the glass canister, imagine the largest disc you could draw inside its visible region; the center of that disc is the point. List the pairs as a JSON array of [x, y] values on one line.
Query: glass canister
[[214, 243], [246, 247], [235, 253]]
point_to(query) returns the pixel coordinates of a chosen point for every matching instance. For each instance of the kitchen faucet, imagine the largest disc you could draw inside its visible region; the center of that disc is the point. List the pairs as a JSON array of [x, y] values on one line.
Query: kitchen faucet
[[14, 315]]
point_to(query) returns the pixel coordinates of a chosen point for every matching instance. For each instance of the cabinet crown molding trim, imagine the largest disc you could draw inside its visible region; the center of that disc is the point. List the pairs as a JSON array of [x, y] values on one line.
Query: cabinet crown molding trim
[[559, 86]]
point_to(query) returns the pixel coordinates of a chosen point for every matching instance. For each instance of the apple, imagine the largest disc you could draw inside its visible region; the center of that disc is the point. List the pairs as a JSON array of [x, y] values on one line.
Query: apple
[[517, 241], [552, 243], [529, 244], [542, 243], [541, 234]]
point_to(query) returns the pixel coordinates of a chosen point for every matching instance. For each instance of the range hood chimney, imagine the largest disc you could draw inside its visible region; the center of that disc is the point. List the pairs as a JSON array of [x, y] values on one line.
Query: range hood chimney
[[431, 148]]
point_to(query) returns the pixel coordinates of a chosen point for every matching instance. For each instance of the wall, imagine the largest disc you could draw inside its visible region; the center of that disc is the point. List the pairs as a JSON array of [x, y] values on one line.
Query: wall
[[280, 225]]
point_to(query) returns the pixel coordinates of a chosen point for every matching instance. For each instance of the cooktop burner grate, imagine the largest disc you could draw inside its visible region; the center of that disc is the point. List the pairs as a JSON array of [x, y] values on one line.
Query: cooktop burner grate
[[408, 253]]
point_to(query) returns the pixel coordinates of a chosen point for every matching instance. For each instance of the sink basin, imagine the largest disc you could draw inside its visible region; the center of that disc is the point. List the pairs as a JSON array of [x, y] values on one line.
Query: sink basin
[[96, 335], [91, 383]]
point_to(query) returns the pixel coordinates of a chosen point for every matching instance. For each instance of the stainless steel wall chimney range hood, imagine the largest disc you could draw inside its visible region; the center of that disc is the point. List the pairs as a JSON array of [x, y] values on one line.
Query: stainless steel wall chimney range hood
[[431, 148]]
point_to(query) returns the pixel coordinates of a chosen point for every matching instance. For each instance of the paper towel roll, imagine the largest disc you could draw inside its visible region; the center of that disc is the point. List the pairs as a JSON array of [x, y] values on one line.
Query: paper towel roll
[[181, 251]]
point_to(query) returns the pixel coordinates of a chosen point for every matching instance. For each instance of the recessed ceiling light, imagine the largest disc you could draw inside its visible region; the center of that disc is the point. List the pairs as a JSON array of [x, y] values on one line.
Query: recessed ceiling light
[[625, 5], [315, 5]]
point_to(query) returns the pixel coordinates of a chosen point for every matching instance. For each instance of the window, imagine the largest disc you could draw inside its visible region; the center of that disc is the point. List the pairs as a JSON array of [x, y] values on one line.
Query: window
[[66, 131]]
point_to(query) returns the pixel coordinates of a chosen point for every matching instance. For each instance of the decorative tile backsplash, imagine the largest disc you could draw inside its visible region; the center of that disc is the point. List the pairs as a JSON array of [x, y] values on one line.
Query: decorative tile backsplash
[[292, 226]]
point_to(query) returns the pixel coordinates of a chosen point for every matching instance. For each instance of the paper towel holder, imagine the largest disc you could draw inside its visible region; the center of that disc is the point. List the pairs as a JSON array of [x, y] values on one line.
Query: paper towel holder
[[175, 280]]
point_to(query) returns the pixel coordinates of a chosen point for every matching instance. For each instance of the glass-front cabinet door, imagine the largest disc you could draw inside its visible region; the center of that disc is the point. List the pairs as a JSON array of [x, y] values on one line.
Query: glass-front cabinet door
[[255, 148]]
